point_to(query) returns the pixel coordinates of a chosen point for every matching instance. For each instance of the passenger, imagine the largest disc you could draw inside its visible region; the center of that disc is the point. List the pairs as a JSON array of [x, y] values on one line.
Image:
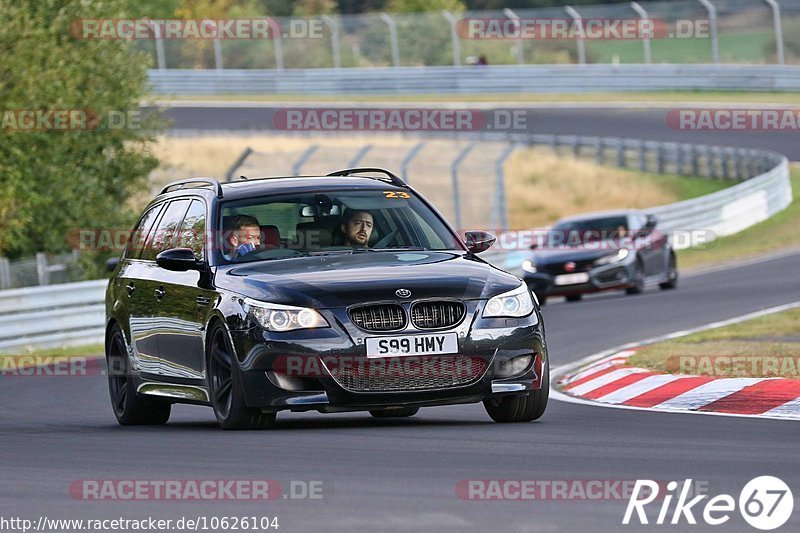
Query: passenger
[[357, 228]]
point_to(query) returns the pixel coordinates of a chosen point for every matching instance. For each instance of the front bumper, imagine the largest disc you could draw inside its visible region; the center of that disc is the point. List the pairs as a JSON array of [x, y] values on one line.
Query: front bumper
[[602, 278], [269, 384]]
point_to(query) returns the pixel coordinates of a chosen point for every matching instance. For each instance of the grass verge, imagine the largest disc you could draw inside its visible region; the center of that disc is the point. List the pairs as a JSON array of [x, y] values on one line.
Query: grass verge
[[767, 346], [774, 234]]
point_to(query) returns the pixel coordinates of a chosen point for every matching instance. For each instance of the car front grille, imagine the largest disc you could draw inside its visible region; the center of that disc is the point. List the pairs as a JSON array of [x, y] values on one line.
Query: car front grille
[[409, 373], [434, 315], [383, 317]]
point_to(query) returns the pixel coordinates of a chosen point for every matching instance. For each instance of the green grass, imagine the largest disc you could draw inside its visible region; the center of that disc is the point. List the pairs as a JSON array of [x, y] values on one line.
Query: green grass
[[684, 187], [68, 351], [782, 231], [757, 344]]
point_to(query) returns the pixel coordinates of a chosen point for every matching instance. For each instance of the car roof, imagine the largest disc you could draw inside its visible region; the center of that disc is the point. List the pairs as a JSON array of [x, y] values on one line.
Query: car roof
[[600, 214]]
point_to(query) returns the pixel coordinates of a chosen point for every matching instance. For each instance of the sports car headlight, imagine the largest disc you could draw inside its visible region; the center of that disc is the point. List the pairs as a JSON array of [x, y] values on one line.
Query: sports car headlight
[[277, 317], [621, 254], [511, 304]]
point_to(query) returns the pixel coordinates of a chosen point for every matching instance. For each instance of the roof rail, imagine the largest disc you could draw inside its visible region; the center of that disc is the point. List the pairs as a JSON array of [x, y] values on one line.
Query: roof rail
[[393, 178], [181, 184]]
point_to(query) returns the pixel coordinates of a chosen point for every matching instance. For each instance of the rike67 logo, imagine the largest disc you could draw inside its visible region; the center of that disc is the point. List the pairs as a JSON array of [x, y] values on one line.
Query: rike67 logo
[[765, 502]]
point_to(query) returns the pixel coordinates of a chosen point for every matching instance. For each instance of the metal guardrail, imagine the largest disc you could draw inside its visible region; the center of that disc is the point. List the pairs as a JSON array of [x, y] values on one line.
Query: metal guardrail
[[55, 315], [474, 80], [74, 312]]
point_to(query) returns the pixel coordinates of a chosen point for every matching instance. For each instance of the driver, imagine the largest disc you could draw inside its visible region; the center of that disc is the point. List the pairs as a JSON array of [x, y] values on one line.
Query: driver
[[357, 228], [242, 237]]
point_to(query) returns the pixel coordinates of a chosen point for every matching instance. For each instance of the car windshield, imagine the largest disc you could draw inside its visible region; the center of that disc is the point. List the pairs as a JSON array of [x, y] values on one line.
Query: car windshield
[[579, 232], [330, 222]]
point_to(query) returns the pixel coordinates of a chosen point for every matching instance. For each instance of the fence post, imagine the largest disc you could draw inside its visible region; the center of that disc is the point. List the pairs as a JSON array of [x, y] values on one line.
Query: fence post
[[776, 19], [620, 153], [660, 158], [693, 154], [218, 54], [392, 38], [453, 37], [648, 57], [579, 34], [500, 186], [598, 154], [359, 155], [304, 157], [41, 268], [712, 20], [277, 43], [334, 27], [576, 147], [160, 57], [407, 159], [642, 157], [238, 163], [454, 176], [520, 52], [5, 273]]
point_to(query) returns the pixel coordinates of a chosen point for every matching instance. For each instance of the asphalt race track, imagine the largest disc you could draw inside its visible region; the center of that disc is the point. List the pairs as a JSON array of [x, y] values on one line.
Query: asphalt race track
[[401, 475]]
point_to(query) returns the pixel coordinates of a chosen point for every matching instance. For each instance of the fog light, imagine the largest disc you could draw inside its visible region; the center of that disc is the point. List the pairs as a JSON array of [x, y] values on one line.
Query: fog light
[[512, 367]]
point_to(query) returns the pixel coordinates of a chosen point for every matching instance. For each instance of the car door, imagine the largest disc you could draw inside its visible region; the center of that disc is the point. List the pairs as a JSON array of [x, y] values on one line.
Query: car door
[[134, 284], [184, 301], [642, 242]]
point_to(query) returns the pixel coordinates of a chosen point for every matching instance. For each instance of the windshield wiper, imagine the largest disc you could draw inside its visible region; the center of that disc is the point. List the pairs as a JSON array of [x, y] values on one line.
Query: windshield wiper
[[397, 248]]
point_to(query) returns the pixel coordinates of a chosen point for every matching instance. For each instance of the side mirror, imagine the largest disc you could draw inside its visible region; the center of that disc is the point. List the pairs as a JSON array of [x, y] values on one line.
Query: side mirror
[[111, 264], [651, 222], [178, 259], [478, 241]]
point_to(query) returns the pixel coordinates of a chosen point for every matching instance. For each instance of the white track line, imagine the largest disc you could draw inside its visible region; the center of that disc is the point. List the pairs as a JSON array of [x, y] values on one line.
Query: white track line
[[635, 389], [707, 393]]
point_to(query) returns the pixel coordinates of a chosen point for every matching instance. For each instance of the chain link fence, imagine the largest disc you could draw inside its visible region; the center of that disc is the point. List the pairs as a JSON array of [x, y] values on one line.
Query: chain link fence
[[735, 31]]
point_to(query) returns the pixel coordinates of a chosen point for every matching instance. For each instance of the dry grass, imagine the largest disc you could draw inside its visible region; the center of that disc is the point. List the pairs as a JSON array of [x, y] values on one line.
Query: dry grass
[[542, 187]]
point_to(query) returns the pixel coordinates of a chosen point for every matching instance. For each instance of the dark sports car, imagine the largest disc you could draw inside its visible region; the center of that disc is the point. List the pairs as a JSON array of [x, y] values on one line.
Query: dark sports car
[[344, 292], [595, 252]]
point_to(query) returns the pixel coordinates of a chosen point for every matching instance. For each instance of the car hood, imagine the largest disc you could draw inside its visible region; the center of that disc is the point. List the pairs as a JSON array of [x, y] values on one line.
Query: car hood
[[340, 280]]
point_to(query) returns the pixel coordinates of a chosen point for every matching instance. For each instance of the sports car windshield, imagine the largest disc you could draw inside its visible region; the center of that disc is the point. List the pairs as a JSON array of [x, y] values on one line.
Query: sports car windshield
[[330, 222], [579, 232]]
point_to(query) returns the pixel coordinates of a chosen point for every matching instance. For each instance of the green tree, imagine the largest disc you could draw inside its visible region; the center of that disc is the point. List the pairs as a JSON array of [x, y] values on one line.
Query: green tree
[[53, 182]]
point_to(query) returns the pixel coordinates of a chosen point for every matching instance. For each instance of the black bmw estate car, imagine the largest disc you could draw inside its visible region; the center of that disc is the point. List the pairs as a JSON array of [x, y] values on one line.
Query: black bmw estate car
[[345, 292]]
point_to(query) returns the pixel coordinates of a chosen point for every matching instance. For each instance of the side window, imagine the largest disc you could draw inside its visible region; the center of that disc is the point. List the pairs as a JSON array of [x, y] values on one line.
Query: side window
[[141, 231], [164, 235], [193, 229]]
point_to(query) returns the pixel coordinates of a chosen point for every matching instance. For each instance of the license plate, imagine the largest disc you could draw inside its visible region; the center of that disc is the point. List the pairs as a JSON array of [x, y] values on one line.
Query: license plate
[[572, 279], [410, 345]]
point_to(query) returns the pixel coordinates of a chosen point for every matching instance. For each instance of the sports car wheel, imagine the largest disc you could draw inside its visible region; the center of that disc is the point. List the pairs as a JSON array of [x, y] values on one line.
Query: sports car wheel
[[225, 387], [130, 407], [521, 408]]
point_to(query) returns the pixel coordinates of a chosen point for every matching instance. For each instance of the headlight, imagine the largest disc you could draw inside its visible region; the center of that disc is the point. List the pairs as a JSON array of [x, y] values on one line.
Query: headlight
[[277, 317], [621, 254], [529, 266], [511, 304]]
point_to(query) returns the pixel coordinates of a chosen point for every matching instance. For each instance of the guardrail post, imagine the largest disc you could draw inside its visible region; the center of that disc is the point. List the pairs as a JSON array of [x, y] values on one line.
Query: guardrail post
[[392, 38], [694, 157], [218, 53], [5, 273], [277, 43], [712, 22], [620, 153], [500, 186], [598, 154], [304, 157], [776, 19], [41, 268], [576, 147], [579, 34], [642, 157], [519, 50], [726, 162], [680, 157], [660, 158], [648, 57], [554, 144], [453, 37], [359, 155], [408, 158], [238, 163], [454, 176], [334, 27]]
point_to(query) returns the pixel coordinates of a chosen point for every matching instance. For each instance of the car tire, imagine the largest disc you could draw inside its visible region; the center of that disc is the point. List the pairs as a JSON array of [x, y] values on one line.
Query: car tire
[[225, 386], [130, 407], [574, 297], [394, 413], [672, 274], [638, 280], [524, 408]]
